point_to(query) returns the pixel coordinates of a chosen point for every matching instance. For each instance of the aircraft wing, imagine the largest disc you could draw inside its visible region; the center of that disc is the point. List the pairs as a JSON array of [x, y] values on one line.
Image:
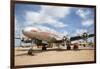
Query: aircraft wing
[[80, 37]]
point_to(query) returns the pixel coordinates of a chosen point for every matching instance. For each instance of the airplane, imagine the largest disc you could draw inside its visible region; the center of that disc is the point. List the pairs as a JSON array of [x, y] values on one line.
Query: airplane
[[45, 38]]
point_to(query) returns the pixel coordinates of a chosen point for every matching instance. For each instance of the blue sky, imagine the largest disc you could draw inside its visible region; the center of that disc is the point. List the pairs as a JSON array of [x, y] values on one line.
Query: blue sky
[[65, 20]]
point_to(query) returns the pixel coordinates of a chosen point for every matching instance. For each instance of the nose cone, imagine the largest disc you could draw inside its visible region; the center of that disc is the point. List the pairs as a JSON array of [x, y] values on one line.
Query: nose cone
[[26, 29]]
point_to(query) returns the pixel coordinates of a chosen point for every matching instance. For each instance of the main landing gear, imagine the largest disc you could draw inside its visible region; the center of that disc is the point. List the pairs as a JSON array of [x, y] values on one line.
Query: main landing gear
[[68, 47], [75, 47], [44, 48]]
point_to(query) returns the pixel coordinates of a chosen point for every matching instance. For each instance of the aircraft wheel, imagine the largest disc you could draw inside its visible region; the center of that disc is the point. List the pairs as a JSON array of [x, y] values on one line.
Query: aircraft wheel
[[84, 45], [68, 48], [30, 52], [44, 48], [75, 47]]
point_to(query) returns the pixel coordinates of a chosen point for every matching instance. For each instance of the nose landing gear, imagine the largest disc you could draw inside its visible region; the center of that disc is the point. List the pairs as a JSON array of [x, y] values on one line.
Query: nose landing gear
[[30, 52]]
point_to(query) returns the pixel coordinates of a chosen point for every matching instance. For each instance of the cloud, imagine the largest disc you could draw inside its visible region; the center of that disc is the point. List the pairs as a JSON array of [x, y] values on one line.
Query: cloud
[[88, 22], [17, 28], [16, 25], [39, 19], [55, 11], [83, 13], [80, 31], [86, 15], [50, 15]]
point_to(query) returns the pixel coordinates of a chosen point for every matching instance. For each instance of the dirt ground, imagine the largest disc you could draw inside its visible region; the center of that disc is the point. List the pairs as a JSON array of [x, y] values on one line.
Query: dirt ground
[[53, 55]]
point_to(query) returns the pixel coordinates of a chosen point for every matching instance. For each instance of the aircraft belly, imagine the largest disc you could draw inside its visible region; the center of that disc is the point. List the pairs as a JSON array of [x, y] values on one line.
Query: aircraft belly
[[40, 36], [43, 37]]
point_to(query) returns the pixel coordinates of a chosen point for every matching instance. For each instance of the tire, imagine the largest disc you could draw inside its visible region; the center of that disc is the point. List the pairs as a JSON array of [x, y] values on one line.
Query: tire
[[30, 52], [44, 48], [68, 48], [75, 47]]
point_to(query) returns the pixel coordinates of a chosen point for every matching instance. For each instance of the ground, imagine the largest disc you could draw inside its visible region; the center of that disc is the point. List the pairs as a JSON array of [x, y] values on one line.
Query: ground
[[53, 55]]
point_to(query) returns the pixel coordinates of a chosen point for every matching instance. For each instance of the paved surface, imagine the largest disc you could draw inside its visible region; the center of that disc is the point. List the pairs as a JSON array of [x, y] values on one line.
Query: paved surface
[[53, 55]]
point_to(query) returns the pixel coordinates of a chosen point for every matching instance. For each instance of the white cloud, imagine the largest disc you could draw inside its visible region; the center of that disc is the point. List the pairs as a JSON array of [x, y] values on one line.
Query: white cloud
[[83, 13], [48, 15], [80, 31], [65, 33], [88, 22], [16, 25], [55, 11], [18, 28]]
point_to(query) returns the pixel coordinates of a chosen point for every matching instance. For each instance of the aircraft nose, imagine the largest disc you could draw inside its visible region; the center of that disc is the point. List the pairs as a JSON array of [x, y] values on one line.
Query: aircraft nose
[[25, 30]]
